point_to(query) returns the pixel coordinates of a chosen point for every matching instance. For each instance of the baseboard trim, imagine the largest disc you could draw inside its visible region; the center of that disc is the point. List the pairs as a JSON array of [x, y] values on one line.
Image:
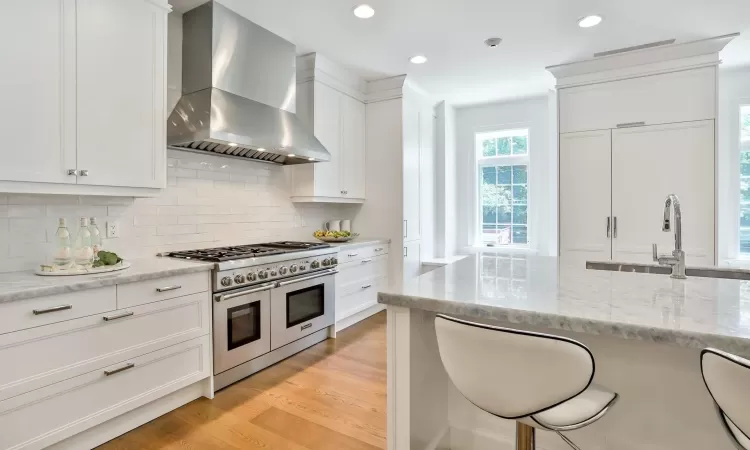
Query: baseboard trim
[[461, 438], [120, 425], [359, 316]]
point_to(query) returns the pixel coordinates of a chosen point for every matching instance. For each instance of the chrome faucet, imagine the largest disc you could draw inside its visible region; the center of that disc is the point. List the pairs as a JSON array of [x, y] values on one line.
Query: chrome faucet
[[677, 259]]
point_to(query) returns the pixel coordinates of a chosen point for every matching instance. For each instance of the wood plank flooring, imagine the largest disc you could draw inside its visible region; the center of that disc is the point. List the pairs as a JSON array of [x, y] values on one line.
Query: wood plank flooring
[[330, 396]]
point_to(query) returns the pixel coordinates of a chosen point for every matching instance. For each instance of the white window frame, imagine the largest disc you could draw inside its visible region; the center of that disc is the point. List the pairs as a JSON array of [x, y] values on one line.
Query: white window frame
[[480, 161]]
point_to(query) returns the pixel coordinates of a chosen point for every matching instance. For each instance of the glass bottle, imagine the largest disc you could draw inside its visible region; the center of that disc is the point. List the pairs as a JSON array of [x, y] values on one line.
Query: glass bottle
[[96, 237], [84, 254], [63, 255]]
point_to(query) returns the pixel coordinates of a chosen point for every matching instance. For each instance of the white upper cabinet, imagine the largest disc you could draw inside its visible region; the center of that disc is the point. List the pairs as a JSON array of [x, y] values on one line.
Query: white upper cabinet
[[682, 96], [121, 92], [330, 101], [84, 97], [38, 81], [412, 134]]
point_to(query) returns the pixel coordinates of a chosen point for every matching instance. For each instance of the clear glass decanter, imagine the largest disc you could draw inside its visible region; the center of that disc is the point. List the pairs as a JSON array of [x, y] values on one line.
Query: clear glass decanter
[[84, 253], [63, 253]]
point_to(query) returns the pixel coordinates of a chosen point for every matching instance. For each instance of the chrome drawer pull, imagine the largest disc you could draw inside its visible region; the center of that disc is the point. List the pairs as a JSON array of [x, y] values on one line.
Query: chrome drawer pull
[[631, 124], [366, 286], [52, 309], [121, 369], [305, 326], [118, 316], [379, 249], [168, 288], [351, 255], [365, 261]]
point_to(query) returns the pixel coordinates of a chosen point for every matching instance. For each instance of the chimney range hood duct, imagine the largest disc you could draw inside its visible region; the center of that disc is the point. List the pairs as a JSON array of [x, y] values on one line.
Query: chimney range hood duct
[[239, 83]]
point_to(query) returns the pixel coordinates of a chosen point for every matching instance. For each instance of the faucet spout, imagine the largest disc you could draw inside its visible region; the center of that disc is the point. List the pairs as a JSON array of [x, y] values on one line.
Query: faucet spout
[[671, 201]]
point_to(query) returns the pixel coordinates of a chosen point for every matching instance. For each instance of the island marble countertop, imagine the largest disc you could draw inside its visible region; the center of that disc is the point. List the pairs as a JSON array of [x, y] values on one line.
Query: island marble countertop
[[24, 285], [537, 291]]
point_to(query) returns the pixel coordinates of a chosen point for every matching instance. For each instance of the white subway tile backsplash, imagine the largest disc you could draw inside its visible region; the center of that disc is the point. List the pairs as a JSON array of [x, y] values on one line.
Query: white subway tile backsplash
[[209, 201]]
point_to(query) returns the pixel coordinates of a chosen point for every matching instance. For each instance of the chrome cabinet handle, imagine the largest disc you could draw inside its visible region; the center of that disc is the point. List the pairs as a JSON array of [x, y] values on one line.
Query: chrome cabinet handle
[[305, 326], [379, 249], [118, 316], [630, 124], [351, 255], [406, 252], [121, 369], [309, 277], [609, 220], [365, 261], [614, 227], [265, 287], [406, 227], [168, 288], [83, 173], [52, 309], [72, 172], [366, 286]]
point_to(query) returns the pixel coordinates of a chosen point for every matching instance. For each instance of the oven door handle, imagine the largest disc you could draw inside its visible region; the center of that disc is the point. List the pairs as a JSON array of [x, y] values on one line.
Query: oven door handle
[[308, 277], [265, 287]]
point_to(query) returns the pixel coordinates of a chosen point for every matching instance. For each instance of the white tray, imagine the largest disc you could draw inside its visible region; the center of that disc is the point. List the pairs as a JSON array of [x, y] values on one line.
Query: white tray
[[84, 271]]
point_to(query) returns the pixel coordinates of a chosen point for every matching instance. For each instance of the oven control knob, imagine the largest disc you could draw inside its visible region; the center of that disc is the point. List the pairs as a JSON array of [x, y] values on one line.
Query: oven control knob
[[226, 281], [293, 268], [314, 265], [302, 268], [334, 261], [283, 270], [262, 274], [326, 262], [239, 278], [251, 276], [273, 273]]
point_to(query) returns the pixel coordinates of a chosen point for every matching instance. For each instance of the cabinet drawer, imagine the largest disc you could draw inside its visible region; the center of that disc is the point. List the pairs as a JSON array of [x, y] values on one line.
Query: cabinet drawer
[[359, 297], [155, 290], [42, 417], [56, 308], [358, 253], [367, 268], [41, 356], [666, 98]]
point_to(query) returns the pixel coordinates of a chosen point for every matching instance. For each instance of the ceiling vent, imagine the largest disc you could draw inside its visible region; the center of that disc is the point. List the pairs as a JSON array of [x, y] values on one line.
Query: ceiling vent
[[634, 48]]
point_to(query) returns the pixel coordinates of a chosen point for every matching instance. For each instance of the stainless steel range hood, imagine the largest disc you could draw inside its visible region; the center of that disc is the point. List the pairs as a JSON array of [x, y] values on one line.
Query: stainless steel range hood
[[239, 86]]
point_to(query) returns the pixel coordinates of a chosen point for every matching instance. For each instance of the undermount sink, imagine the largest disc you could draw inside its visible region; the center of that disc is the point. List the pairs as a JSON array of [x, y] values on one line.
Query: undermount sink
[[703, 272]]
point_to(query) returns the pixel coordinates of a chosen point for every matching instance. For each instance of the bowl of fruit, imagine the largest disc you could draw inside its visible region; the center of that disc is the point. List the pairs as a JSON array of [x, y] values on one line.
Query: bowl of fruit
[[334, 236]]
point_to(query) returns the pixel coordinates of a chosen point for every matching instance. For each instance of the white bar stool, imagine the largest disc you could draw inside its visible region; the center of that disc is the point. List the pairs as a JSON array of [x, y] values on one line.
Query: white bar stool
[[538, 380], [727, 379]]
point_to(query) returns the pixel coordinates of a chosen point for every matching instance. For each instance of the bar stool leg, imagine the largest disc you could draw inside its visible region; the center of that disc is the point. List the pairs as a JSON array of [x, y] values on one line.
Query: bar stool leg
[[525, 437]]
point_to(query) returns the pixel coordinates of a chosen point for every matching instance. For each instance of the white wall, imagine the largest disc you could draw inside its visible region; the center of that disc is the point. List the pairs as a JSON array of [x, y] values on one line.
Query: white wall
[[532, 113], [734, 90], [445, 181]]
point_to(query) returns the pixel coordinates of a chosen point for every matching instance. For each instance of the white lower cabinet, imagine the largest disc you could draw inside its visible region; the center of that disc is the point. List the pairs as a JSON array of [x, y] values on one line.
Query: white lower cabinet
[[44, 416], [83, 361], [362, 272]]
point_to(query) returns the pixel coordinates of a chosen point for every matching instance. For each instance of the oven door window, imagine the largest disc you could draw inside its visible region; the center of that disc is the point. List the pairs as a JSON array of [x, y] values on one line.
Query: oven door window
[[243, 325], [304, 304]]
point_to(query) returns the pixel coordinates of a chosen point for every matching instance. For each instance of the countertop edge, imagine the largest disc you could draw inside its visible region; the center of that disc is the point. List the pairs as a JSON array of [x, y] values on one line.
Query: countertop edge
[[688, 339], [99, 282], [360, 243]]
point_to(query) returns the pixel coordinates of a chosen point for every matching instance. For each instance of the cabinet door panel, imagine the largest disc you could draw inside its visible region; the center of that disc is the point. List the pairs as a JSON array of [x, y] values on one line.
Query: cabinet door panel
[[412, 260], [121, 93], [585, 196], [353, 152], [38, 82], [650, 163], [327, 114], [411, 159]]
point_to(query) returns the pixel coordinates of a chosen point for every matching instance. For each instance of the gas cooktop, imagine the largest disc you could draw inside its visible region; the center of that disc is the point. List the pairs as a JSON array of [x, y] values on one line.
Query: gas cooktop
[[220, 254]]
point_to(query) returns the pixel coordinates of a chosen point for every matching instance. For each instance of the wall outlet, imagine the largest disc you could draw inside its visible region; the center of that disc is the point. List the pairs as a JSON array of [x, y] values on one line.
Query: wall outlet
[[113, 230]]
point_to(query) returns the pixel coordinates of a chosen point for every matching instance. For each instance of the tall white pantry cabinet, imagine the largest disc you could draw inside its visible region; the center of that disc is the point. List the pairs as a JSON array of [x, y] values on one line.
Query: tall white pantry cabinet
[[635, 127]]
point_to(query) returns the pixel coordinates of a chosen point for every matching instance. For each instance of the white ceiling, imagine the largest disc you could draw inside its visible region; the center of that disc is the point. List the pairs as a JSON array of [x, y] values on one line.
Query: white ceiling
[[536, 33]]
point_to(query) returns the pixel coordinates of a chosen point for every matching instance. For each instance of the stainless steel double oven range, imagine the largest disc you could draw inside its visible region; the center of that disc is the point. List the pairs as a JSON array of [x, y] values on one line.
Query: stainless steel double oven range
[[270, 301]]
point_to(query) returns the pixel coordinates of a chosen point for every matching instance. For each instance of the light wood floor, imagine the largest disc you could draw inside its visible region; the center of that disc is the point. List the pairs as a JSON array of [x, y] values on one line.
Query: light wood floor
[[330, 396]]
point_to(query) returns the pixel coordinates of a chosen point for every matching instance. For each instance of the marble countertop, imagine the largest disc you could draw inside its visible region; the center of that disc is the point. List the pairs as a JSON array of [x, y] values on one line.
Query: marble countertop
[[537, 291], [360, 242], [24, 285]]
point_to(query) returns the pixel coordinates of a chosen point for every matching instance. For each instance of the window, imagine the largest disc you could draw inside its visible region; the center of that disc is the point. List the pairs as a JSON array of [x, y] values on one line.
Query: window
[[745, 179], [503, 165]]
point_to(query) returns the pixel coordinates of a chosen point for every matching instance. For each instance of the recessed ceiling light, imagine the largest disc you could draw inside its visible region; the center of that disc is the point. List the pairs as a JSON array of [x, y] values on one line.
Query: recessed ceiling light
[[291, 155], [493, 42], [589, 21], [232, 144], [419, 59], [312, 159], [261, 149], [364, 11]]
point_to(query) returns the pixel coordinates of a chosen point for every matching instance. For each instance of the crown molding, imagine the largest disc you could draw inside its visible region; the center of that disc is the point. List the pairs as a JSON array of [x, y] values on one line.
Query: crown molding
[[385, 89], [316, 67]]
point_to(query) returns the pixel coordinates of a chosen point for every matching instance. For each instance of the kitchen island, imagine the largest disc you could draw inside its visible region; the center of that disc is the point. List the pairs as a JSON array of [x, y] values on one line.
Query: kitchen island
[[645, 331]]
